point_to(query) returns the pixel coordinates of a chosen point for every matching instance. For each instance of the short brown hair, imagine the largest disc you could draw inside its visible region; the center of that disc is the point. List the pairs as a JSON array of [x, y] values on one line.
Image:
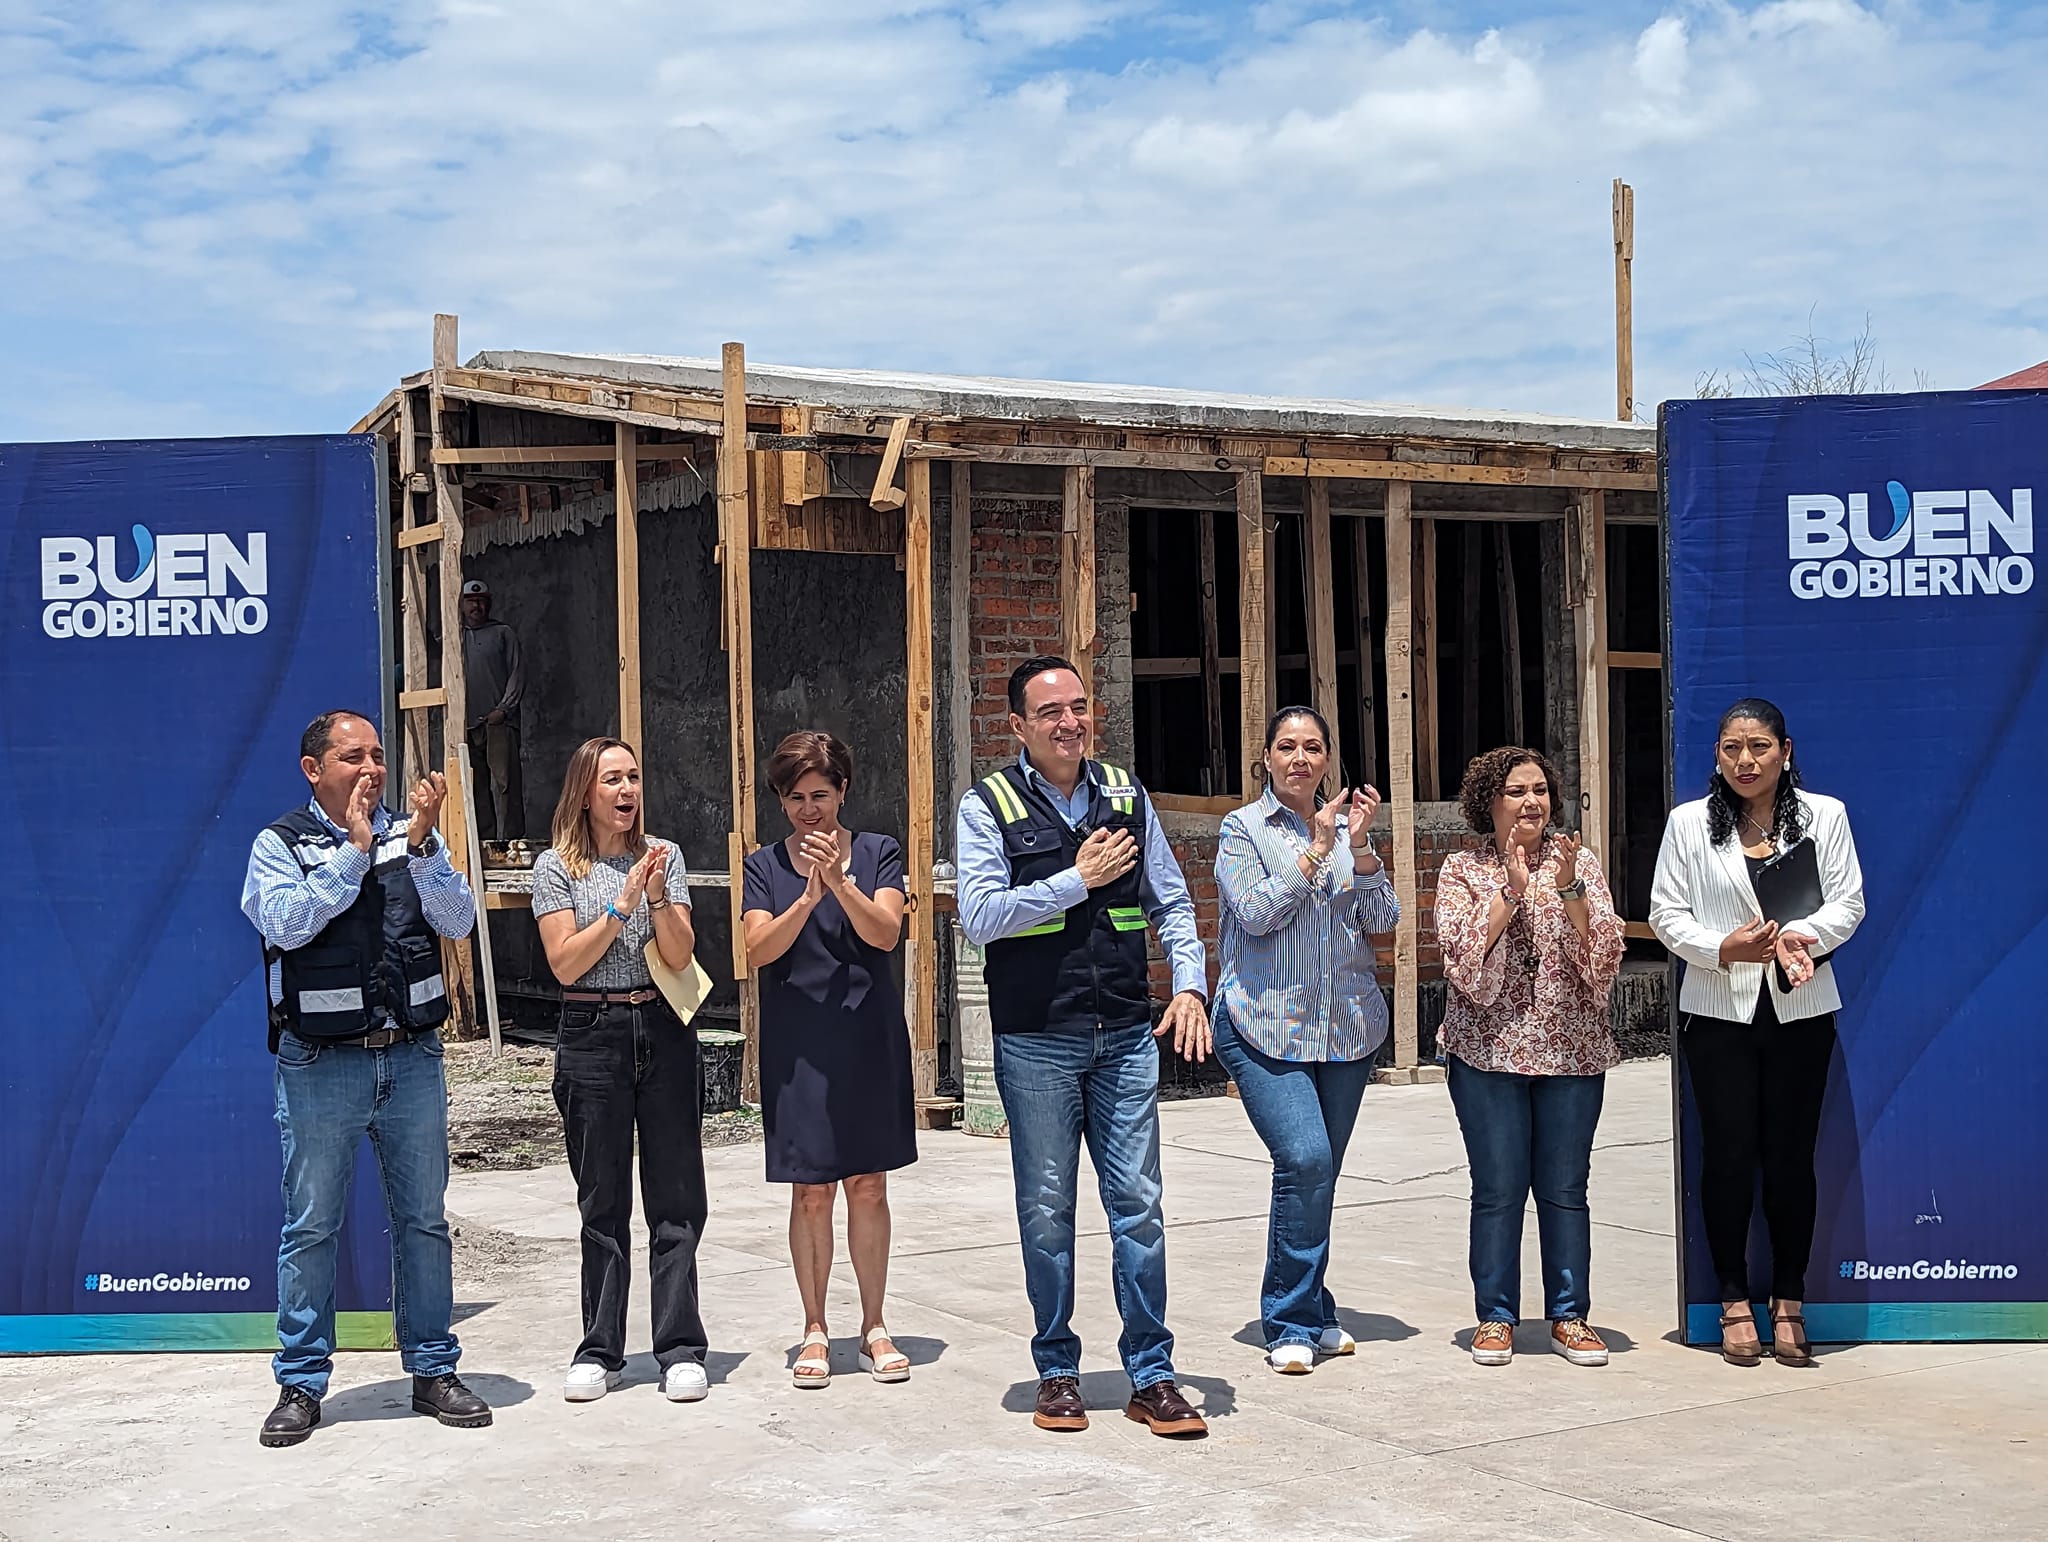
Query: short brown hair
[[805, 751], [1488, 774]]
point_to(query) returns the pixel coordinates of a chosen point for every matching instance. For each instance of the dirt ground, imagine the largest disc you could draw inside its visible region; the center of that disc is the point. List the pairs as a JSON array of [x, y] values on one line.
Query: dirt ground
[[501, 1110]]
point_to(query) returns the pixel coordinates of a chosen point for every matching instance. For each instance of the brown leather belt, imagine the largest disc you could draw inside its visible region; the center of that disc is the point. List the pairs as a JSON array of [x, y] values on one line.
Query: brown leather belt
[[383, 1038], [634, 998]]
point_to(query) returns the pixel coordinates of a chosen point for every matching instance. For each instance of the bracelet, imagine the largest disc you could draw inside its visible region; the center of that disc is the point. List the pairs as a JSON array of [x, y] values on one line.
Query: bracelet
[[1510, 896], [614, 912], [659, 904], [1576, 889]]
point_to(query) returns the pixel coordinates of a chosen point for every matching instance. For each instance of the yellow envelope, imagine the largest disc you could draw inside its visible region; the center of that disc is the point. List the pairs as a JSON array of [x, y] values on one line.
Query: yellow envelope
[[685, 989]]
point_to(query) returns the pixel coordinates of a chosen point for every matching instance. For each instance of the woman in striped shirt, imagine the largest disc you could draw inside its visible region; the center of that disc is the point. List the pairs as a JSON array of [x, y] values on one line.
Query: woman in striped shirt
[[1299, 1010]]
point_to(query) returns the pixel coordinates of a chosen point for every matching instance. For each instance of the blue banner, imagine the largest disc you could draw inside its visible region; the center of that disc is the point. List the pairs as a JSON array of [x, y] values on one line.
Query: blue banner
[[174, 614], [1869, 564]]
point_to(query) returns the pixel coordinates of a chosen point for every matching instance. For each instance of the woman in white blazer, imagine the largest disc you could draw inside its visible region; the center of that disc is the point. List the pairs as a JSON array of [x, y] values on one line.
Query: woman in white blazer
[[1757, 1053]]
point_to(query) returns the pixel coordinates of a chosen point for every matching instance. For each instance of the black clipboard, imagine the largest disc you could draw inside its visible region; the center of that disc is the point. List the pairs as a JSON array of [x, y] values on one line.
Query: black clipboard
[[1788, 888]]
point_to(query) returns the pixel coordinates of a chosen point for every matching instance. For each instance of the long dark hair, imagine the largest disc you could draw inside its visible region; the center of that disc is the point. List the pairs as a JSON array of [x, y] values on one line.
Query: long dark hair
[[1724, 807]]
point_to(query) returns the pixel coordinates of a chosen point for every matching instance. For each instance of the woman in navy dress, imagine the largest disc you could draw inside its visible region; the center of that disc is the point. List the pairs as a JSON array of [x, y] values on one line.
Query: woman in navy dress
[[823, 910]]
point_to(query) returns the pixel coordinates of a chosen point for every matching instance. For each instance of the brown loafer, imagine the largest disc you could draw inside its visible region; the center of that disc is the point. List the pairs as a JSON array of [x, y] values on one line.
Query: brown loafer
[[1059, 1405], [1162, 1408]]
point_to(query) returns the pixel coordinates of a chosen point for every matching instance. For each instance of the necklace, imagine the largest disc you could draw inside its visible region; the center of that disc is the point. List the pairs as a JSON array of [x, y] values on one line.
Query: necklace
[[1761, 833]]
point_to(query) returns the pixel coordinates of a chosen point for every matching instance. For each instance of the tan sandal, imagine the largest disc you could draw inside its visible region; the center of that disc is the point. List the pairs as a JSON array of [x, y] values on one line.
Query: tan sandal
[[894, 1366], [813, 1373], [1740, 1354], [1789, 1349]]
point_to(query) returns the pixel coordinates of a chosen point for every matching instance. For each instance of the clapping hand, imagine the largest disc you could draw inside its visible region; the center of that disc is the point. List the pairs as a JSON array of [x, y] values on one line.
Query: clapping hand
[[1794, 957], [1365, 808], [636, 882], [362, 808], [428, 794], [822, 852], [1323, 829], [1516, 861], [1568, 861], [655, 881]]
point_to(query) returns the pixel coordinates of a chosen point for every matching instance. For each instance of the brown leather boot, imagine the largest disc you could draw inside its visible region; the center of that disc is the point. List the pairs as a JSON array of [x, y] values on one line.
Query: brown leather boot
[[1162, 1408], [1059, 1405]]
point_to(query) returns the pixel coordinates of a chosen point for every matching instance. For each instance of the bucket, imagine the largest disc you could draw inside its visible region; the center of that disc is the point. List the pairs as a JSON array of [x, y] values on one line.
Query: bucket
[[982, 1106]]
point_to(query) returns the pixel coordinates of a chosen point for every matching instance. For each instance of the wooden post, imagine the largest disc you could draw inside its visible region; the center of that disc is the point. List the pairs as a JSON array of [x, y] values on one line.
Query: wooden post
[[917, 621], [413, 612], [1401, 765], [735, 530], [626, 515], [1367, 634], [454, 687], [460, 776], [1590, 630], [1511, 633], [959, 640], [1216, 768], [1423, 638], [1255, 659], [1322, 622], [1624, 302], [1077, 571], [1470, 558]]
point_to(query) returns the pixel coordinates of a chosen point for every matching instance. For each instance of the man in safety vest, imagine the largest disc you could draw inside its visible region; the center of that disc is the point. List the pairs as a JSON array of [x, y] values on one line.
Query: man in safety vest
[[352, 906], [1061, 865]]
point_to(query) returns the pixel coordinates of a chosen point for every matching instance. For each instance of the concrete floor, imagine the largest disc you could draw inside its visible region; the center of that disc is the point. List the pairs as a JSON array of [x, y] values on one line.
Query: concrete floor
[[1408, 1440]]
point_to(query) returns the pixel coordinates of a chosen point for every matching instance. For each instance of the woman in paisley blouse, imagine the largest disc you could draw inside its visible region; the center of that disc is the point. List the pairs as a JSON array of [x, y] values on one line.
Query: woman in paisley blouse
[[1531, 948]]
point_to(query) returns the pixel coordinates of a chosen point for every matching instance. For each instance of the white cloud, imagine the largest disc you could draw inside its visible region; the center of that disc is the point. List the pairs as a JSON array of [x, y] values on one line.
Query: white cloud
[[262, 206]]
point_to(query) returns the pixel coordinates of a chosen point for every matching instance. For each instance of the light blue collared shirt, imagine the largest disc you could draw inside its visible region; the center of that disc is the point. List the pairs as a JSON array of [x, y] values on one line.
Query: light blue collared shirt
[[1300, 979], [991, 908], [290, 907]]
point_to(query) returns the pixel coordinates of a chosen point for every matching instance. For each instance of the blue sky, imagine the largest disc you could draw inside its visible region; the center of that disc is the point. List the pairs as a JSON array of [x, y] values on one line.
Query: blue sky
[[240, 217]]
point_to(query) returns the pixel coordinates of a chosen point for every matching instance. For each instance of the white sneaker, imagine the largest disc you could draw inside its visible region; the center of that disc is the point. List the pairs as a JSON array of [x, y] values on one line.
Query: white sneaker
[[586, 1383], [685, 1382], [1335, 1341], [1291, 1359]]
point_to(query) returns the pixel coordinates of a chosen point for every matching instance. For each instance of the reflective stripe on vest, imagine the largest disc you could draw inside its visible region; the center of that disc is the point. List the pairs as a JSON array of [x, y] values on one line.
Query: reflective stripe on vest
[[1007, 801], [1127, 918], [1045, 928], [424, 991], [330, 1001]]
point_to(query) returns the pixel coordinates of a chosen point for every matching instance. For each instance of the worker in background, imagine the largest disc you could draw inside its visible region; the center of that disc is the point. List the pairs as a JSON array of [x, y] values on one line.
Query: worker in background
[[494, 681]]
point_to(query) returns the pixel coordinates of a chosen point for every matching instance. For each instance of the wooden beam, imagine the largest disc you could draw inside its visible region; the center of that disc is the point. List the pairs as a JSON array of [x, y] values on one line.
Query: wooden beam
[[422, 700], [885, 494], [1367, 757], [1511, 634], [420, 535], [1423, 638], [626, 523], [1187, 803], [458, 966], [568, 402], [521, 454], [1617, 659], [1590, 632], [1255, 666], [736, 544], [960, 647], [1060, 455], [1442, 471], [1321, 619], [454, 685], [1401, 765], [803, 474], [1470, 559], [1077, 571], [412, 618], [917, 622], [1624, 301], [1216, 762]]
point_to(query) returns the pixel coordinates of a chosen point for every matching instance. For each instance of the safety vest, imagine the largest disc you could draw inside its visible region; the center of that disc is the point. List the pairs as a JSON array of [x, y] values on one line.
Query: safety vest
[[1084, 968], [379, 958]]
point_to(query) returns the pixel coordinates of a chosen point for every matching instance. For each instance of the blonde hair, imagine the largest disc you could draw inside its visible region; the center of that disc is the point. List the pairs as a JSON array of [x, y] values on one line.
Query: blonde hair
[[574, 840]]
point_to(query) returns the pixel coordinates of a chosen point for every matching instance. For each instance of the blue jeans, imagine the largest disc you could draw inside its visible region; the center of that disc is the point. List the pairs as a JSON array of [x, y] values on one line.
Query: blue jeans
[[1524, 1133], [1304, 1112], [1101, 1085], [329, 1096]]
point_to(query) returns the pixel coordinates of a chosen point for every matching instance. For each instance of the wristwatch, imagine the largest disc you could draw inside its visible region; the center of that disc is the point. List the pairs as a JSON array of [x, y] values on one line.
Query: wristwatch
[[1576, 889], [427, 847], [1510, 896]]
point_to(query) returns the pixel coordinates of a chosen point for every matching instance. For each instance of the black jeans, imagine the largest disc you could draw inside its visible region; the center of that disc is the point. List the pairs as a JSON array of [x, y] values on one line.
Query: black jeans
[[1758, 1087], [618, 1068]]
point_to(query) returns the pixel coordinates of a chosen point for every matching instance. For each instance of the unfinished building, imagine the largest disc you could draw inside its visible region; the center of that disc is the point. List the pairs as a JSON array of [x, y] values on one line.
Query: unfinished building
[[701, 555]]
